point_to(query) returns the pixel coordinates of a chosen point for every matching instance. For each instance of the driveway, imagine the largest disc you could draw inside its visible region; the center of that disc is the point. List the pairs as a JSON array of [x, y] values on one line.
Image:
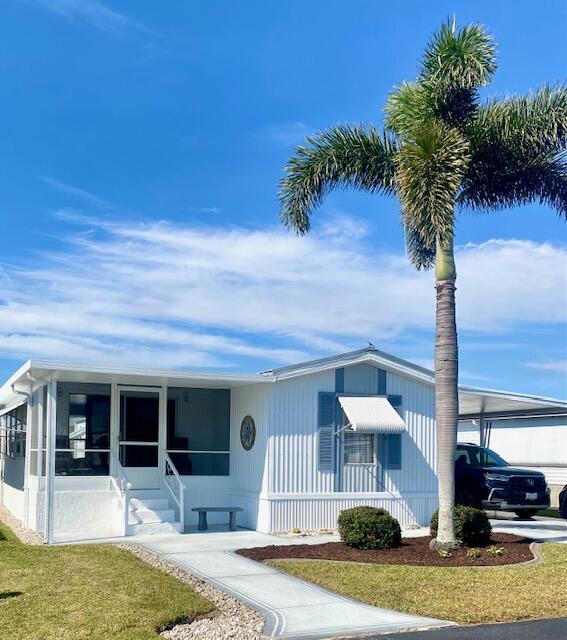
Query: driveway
[[543, 529], [292, 608], [555, 629]]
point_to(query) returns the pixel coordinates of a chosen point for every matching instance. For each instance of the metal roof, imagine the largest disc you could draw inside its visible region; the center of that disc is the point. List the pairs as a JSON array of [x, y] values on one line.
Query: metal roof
[[371, 414], [472, 401], [369, 355], [40, 370]]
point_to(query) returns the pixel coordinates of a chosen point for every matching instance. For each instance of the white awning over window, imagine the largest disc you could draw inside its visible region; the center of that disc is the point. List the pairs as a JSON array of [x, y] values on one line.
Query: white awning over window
[[371, 414]]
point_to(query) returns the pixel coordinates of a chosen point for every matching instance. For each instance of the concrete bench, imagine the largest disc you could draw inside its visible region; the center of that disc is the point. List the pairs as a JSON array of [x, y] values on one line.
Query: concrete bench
[[202, 511]]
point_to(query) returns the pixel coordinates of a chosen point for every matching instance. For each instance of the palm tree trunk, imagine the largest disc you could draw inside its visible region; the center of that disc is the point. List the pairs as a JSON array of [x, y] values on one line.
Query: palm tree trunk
[[446, 392]]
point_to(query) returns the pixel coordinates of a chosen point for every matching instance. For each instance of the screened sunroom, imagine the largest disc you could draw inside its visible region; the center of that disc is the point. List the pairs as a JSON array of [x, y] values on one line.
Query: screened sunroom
[[81, 448]]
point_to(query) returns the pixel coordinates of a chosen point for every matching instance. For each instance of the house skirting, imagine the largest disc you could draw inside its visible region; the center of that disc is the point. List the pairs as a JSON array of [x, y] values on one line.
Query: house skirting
[[314, 511]]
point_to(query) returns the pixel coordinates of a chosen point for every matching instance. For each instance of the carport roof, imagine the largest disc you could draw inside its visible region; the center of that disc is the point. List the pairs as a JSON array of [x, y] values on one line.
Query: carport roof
[[474, 402]]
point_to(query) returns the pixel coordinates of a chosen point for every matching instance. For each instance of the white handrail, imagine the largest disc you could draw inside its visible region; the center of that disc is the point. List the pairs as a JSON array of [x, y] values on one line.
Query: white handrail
[[122, 486], [181, 501]]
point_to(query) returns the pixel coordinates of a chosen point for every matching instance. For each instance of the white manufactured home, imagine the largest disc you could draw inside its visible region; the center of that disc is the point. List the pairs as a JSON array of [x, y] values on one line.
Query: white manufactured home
[[95, 451]]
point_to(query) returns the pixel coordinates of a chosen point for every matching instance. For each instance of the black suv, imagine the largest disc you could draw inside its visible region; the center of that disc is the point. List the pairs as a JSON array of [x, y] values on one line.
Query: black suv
[[484, 479]]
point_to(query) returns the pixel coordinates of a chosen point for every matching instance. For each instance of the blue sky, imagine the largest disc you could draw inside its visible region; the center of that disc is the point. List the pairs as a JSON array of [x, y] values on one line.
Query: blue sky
[[142, 150]]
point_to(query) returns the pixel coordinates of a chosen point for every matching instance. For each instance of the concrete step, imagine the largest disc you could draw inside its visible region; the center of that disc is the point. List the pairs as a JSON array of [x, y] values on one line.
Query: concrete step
[[155, 504], [148, 493], [145, 516], [152, 528]]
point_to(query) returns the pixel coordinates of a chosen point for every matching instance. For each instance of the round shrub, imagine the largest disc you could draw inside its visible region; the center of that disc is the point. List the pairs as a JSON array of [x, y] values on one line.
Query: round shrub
[[369, 528], [472, 527]]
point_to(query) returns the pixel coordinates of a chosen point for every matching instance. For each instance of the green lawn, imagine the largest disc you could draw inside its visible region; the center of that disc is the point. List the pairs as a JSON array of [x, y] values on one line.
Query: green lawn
[[549, 513], [459, 594], [94, 592]]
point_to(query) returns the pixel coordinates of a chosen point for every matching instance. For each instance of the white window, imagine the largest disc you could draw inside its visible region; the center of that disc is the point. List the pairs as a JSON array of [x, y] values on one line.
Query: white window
[[358, 448], [13, 432]]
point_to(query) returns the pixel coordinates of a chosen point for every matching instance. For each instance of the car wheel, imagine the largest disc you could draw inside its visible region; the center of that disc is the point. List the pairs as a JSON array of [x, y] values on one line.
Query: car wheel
[[525, 514], [466, 498]]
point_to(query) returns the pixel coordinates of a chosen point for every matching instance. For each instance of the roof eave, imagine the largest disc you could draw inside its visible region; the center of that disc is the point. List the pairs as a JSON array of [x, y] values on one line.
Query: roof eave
[[513, 396], [205, 376], [357, 357]]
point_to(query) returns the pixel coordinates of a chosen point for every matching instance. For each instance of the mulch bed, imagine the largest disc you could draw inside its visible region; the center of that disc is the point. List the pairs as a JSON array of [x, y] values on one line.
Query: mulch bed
[[413, 551]]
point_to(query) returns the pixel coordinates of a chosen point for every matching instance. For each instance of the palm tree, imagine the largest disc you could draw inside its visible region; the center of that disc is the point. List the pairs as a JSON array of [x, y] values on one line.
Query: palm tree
[[441, 151]]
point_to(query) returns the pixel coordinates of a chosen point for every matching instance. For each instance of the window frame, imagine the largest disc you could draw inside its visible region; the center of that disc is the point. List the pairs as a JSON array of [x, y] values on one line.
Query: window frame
[[13, 431], [372, 447], [64, 392], [174, 400]]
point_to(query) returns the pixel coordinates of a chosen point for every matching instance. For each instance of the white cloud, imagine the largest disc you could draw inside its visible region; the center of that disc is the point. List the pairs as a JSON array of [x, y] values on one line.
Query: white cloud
[[213, 210], [92, 12], [187, 296], [287, 133], [77, 194], [553, 366], [511, 280]]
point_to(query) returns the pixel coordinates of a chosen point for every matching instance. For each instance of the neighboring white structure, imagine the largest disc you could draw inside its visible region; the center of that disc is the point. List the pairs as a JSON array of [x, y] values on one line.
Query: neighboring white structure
[[527, 431], [96, 451]]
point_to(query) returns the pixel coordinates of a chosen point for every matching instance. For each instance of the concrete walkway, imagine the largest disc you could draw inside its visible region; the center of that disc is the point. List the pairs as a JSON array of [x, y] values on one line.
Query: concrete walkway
[[542, 529], [292, 608]]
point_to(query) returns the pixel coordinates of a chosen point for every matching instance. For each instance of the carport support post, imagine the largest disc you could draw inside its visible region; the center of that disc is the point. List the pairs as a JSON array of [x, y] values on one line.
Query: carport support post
[[481, 432], [27, 458], [50, 458]]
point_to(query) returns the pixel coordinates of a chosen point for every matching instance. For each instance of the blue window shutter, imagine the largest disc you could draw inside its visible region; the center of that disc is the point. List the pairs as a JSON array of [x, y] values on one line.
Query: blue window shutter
[[394, 454], [395, 439], [326, 435], [396, 402], [390, 451], [382, 449], [381, 382], [339, 380]]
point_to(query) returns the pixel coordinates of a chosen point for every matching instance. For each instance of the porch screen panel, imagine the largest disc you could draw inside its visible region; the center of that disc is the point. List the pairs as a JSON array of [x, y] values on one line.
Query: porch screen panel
[[13, 432], [198, 430], [38, 429], [82, 441]]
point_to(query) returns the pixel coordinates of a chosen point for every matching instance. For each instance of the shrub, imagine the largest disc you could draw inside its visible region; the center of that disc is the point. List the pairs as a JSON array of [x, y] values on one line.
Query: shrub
[[472, 527], [369, 528], [444, 554], [473, 552], [495, 551]]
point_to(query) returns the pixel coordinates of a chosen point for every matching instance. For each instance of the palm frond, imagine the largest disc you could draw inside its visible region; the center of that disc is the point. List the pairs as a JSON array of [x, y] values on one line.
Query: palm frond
[[457, 61], [347, 155], [518, 151], [430, 168], [542, 180], [532, 124], [463, 57], [408, 107], [421, 255]]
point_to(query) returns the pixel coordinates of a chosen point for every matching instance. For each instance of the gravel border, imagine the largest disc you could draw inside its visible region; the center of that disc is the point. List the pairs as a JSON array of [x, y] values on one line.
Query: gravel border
[[232, 618], [27, 536]]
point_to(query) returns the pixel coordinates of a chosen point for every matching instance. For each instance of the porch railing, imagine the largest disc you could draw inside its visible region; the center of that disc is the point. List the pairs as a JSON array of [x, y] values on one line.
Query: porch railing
[[172, 482], [122, 488]]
